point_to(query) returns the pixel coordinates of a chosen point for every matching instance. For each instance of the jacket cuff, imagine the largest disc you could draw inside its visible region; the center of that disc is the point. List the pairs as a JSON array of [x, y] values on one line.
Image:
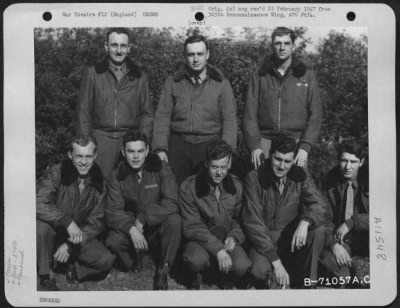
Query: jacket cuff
[[126, 227], [272, 255], [65, 221], [309, 220], [305, 146], [255, 144], [215, 247], [349, 223], [142, 218]]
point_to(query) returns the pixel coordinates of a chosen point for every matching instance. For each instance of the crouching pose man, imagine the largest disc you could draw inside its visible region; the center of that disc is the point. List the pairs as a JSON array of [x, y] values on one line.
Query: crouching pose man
[[142, 209], [283, 216], [210, 204], [69, 217], [347, 189]]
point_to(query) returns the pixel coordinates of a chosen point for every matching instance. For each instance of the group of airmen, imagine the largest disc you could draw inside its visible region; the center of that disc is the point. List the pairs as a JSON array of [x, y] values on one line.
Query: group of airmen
[[137, 181]]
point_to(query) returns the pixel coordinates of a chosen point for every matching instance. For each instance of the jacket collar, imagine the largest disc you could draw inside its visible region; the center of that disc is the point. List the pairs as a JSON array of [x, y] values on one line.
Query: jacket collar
[[151, 164], [334, 177], [202, 186], [266, 175], [212, 73], [69, 175], [134, 70], [298, 67]]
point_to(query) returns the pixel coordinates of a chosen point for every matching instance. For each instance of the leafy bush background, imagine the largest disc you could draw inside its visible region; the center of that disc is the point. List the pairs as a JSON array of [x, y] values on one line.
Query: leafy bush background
[[61, 55]]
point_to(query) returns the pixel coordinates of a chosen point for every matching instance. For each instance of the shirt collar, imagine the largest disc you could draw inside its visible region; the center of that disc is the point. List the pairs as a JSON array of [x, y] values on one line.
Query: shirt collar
[[117, 68], [201, 77]]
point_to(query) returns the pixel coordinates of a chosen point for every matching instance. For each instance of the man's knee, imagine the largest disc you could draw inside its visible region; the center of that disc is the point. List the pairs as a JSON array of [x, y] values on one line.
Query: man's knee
[[106, 259], [196, 257], [117, 241], [261, 269], [174, 223], [44, 231]]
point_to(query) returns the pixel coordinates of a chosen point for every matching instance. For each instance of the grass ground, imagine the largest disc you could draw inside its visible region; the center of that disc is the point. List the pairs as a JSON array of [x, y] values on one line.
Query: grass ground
[[119, 281]]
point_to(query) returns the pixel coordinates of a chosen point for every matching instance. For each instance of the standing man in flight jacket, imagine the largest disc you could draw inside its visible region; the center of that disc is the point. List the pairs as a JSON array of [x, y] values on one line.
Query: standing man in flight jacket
[[114, 97], [196, 106], [282, 100]]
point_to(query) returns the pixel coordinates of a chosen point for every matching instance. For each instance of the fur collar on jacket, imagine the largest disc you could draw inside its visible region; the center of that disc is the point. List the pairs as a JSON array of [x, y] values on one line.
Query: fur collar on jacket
[[151, 164], [334, 177], [212, 72], [202, 185], [298, 67], [266, 175], [69, 175], [134, 70]]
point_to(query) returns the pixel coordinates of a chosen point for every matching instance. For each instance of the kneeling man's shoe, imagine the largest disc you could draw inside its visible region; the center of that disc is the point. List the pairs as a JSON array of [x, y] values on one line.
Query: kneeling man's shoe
[[48, 285], [137, 265], [70, 274], [161, 278]]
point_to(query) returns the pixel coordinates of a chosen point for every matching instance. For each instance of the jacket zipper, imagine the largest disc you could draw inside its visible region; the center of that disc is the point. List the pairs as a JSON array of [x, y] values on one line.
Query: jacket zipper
[[116, 107], [279, 102]]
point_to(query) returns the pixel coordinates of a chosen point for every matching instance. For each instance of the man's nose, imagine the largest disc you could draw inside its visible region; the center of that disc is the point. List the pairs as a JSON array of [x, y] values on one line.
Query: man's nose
[[84, 160]]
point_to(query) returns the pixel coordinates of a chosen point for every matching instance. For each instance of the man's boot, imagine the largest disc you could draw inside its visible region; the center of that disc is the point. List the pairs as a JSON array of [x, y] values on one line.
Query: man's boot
[[161, 277]]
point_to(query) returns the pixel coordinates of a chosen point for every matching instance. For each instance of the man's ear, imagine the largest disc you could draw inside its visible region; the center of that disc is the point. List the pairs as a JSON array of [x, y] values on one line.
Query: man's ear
[[208, 54], [70, 155], [362, 161], [106, 46], [123, 152]]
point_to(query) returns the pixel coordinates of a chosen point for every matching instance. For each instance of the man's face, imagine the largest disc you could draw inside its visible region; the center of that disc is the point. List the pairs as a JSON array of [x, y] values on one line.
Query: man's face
[[349, 165], [196, 56], [117, 47], [83, 157], [135, 153], [282, 163], [218, 169], [283, 47]]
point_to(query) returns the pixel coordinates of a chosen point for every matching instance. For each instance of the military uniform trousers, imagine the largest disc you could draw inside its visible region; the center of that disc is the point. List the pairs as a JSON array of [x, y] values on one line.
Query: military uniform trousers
[[163, 240], [301, 264], [90, 259]]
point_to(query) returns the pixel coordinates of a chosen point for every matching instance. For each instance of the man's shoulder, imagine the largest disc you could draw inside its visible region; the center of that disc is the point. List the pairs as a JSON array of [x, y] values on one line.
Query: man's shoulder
[[331, 179], [189, 183]]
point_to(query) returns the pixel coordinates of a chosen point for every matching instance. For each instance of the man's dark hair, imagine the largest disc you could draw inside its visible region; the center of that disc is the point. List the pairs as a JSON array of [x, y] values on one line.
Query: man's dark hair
[[352, 146], [82, 140], [281, 31], [195, 39], [218, 149], [283, 145], [134, 135], [118, 31]]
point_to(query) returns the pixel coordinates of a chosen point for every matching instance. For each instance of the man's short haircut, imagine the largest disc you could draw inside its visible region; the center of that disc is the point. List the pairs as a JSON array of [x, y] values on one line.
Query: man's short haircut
[[283, 145], [352, 146], [281, 31], [134, 135], [195, 39], [118, 30], [82, 140], [218, 149]]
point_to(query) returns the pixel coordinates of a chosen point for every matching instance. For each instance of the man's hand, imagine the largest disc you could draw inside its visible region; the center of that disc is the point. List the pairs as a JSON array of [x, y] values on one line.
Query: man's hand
[[342, 256], [224, 261], [138, 239], [341, 232], [256, 158], [163, 155], [282, 277], [230, 244], [300, 235], [301, 158], [139, 225], [75, 233], [62, 254]]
